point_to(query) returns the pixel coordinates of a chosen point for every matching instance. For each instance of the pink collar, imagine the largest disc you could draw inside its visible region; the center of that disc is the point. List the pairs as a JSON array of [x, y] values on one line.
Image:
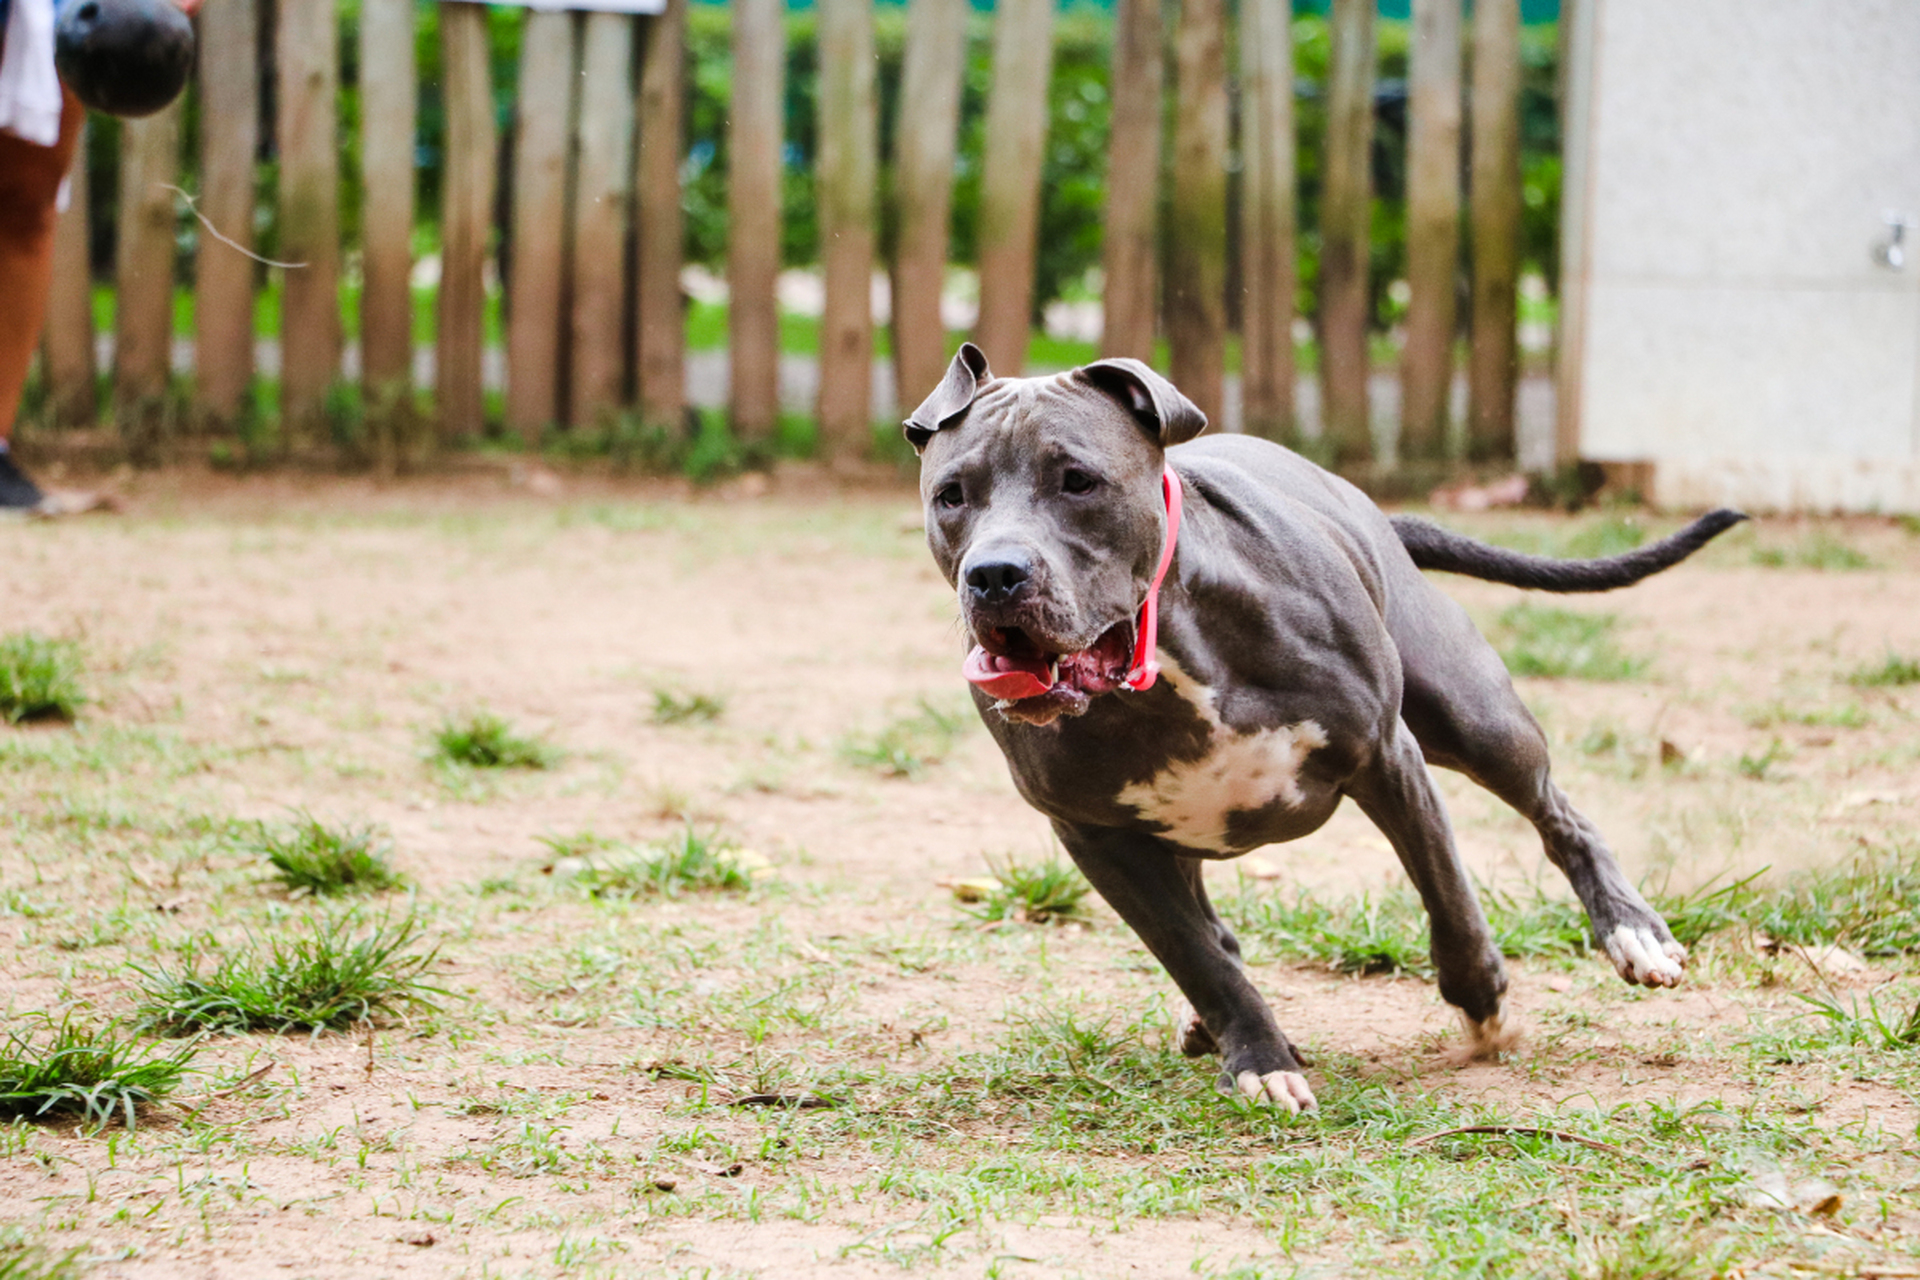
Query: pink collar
[[1145, 670]]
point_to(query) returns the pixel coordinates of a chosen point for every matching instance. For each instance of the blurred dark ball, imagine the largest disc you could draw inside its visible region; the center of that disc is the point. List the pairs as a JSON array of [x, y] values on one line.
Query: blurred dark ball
[[124, 57]]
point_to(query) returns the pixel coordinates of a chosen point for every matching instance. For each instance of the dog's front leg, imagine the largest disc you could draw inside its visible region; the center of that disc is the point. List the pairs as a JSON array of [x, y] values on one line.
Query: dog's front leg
[[1143, 878]]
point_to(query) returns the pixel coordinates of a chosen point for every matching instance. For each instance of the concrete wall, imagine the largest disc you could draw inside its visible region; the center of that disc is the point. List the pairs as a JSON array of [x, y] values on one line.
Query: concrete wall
[[1730, 164]]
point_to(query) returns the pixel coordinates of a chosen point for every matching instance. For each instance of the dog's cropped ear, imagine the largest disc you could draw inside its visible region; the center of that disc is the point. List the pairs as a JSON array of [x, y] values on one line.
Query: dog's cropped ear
[[950, 399], [1170, 416]]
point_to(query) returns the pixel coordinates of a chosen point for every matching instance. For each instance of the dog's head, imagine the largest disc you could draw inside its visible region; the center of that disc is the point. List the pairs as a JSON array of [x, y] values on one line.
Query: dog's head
[[1045, 512]]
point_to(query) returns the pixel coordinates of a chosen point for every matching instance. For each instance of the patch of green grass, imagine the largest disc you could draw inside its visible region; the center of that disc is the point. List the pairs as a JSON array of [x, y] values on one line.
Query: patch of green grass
[[330, 978], [1871, 1028], [1870, 906], [690, 862], [1540, 640], [74, 1069], [22, 1261], [313, 858], [1894, 672], [1846, 715], [1754, 766], [1050, 892], [1369, 934], [39, 678], [673, 707], [1819, 550], [1607, 536], [908, 746], [482, 740]]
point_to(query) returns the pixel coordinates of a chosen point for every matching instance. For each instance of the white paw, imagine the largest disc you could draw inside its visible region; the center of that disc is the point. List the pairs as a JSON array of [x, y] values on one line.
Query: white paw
[[1643, 959], [1194, 1038], [1284, 1089]]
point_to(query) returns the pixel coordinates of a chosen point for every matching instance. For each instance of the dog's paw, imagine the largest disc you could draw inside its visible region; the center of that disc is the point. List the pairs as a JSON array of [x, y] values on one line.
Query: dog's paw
[[1284, 1089], [1195, 1040], [1644, 959], [1488, 1038]]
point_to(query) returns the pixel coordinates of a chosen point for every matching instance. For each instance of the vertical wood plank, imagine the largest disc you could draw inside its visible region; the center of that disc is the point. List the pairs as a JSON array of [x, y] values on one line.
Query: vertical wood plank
[[603, 167], [1344, 226], [756, 127], [69, 333], [1129, 255], [465, 219], [849, 172], [1010, 182], [1493, 369], [535, 291], [307, 54], [660, 331], [1267, 218], [927, 134], [143, 266], [1197, 246], [389, 108], [229, 34], [1433, 227], [1577, 20]]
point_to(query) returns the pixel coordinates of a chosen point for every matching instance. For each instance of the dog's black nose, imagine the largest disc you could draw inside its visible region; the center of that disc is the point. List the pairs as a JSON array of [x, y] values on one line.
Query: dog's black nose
[[997, 581]]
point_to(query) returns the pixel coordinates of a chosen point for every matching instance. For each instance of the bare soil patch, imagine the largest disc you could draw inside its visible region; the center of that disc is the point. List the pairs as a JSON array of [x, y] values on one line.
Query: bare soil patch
[[1003, 1099]]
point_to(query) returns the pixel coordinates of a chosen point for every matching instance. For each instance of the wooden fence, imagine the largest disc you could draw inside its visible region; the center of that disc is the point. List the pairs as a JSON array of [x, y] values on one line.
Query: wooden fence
[[592, 285]]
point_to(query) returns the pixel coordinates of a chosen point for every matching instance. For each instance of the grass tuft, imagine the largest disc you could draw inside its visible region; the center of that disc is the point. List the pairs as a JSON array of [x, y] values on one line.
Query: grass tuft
[[1050, 892], [1894, 672], [910, 745], [329, 979], [1870, 1027], [1821, 550], [314, 858], [78, 1070], [1540, 640], [482, 740], [39, 678], [689, 862], [1363, 935], [22, 1261], [671, 707]]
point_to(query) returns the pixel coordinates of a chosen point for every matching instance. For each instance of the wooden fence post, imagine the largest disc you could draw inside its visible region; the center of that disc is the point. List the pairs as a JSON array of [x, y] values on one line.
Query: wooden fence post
[[69, 335], [924, 148], [534, 398], [307, 55], [229, 144], [1493, 358], [660, 329], [1129, 255], [1197, 250], [1433, 228], [389, 109], [1345, 216], [756, 128], [602, 170], [143, 276], [849, 171], [1268, 269], [1010, 181], [466, 218]]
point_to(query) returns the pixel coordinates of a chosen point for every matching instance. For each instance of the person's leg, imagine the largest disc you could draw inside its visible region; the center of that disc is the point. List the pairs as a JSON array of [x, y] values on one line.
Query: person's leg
[[30, 179]]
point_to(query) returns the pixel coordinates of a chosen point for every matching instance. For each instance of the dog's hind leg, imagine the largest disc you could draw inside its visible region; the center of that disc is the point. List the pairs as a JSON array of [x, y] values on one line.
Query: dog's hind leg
[[1151, 885], [1461, 705], [1398, 794]]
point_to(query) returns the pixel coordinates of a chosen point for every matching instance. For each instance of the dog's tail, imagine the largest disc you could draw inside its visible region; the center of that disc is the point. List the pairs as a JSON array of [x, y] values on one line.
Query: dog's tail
[[1435, 548]]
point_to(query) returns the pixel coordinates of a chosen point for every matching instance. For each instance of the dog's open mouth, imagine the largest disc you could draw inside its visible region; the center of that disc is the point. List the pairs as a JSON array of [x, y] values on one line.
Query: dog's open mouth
[[1009, 664]]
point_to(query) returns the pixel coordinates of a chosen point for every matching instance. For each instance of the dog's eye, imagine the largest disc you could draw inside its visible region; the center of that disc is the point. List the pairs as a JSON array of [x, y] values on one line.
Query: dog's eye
[[1077, 481], [949, 497]]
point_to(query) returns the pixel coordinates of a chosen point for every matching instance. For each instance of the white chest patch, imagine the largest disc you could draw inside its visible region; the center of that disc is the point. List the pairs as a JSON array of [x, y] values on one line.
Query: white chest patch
[[1239, 772]]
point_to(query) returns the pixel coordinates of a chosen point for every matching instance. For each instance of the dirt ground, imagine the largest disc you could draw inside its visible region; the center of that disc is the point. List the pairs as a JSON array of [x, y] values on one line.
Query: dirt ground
[[269, 645]]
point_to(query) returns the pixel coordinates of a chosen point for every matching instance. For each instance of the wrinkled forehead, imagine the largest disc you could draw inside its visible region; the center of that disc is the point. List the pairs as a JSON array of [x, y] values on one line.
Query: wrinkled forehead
[[1026, 415]]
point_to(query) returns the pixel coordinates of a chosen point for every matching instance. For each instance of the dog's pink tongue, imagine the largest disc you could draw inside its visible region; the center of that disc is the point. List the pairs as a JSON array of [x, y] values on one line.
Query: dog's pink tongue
[[1007, 678]]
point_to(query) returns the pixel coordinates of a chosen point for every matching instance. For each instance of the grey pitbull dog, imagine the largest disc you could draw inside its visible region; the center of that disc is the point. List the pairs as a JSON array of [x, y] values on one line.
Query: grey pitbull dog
[[1301, 657]]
